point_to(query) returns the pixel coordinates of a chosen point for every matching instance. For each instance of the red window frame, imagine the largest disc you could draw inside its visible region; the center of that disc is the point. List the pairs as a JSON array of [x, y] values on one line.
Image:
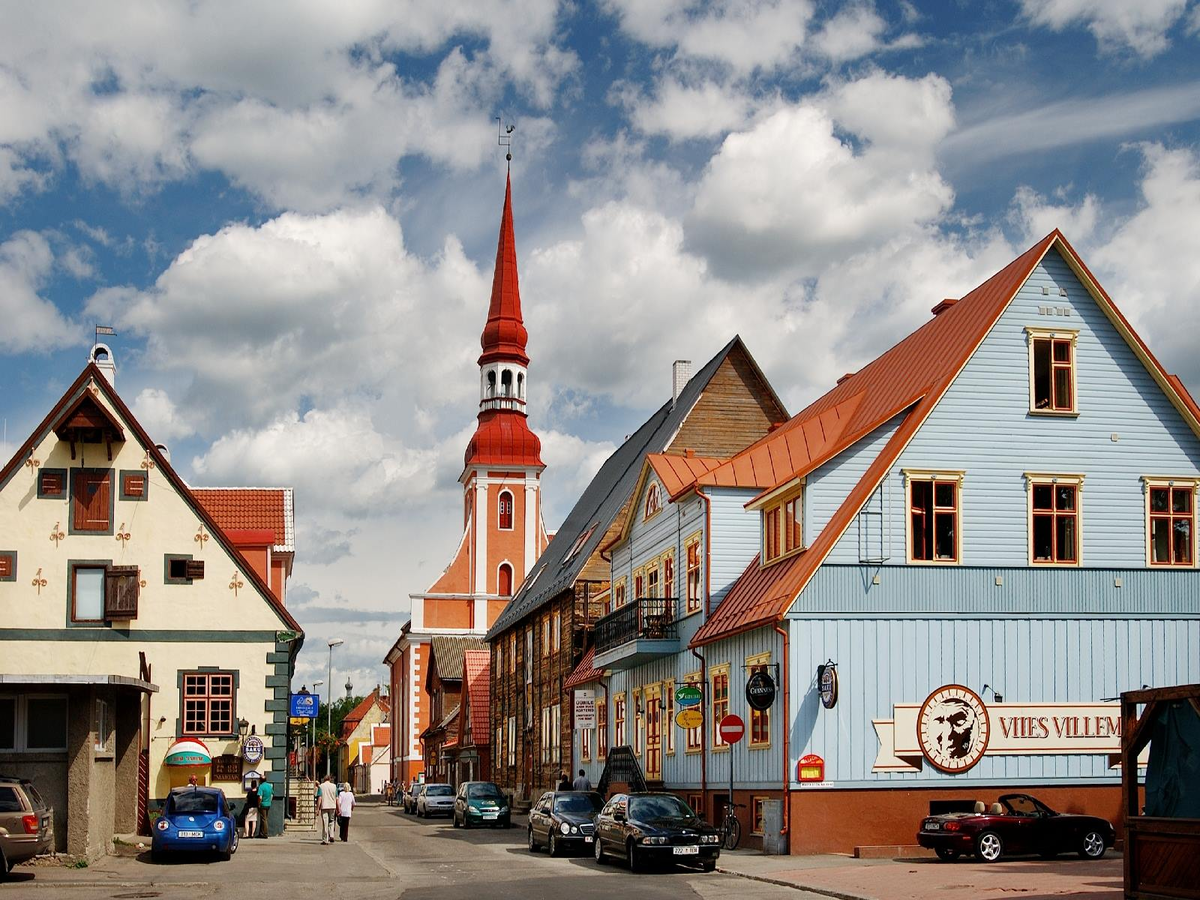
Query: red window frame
[[505, 511], [208, 704], [653, 501], [929, 511], [618, 721], [1176, 515], [1054, 363], [75, 570], [793, 524], [693, 577], [669, 576], [601, 730], [771, 549], [720, 705], [1058, 517]]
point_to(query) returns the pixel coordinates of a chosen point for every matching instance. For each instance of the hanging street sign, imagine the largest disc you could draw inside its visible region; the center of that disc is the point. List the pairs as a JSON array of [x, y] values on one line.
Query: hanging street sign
[[689, 717], [304, 705], [731, 729], [688, 695], [253, 749], [760, 691]]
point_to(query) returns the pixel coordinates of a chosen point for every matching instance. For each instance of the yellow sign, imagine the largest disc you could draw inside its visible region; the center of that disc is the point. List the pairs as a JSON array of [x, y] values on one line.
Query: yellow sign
[[299, 720], [689, 718]]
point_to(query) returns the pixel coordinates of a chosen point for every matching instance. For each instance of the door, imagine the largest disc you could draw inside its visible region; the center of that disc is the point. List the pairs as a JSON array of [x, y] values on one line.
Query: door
[[654, 733]]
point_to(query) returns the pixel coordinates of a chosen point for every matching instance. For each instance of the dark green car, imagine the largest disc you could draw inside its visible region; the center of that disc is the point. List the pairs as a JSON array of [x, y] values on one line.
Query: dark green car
[[481, 803]]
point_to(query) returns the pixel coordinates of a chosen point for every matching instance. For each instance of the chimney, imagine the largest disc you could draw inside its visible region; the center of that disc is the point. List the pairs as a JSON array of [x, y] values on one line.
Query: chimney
[[102, 356], [943, 306], [681, 374], [162, 448]]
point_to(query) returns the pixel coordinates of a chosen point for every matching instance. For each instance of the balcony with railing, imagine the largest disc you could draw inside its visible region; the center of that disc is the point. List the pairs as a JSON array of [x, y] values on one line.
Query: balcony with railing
[[638, 632]]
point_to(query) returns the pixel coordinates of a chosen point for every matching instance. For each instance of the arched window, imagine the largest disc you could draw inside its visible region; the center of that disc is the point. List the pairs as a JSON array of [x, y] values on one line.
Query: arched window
[[506, 511], [504, 580], [506, 383], [653, 500], [520, 386], [491, 384]]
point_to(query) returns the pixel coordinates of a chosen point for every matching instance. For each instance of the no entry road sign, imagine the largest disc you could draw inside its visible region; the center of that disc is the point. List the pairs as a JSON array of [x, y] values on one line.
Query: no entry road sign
[[731, 729]]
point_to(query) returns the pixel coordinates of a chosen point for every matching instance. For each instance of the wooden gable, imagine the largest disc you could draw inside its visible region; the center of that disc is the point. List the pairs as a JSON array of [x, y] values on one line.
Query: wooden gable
[[87, 421]]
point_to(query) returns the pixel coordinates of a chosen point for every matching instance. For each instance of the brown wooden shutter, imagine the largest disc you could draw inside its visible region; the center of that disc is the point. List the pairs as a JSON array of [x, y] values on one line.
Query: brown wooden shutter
[[52, 483], [135, 485], [90, 502], [194, 568], [121, 592]]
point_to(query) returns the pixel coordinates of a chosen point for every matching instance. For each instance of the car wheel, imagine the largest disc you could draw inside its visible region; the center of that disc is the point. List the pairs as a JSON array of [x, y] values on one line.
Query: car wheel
[[947, 854], [598, 850], [989, 847], [3, 867], [533, 844], [235, 843], [158, 857], [636, 864], [552, 846], [1092, 846]]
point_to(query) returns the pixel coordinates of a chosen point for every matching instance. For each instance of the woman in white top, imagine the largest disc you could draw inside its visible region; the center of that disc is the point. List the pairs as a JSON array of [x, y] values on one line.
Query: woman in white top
[[345, 808]]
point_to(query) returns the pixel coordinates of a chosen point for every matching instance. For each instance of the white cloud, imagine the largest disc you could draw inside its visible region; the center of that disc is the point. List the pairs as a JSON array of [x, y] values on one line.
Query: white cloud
[[1037, 216], [853, 32], [682, 111], [161, 418], [31, 322], [1140, 26]]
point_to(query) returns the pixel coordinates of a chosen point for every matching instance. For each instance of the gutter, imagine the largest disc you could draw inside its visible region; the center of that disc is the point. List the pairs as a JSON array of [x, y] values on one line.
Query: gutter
[[703, 737], [787, 764]]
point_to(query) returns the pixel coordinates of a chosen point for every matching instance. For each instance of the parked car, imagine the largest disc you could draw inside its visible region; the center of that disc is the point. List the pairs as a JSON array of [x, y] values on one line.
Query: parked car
[[195, 819], [563, 820], [481, 803], [436, 800], [647, 828], [26, 823], [411, 795], [1015, 823]]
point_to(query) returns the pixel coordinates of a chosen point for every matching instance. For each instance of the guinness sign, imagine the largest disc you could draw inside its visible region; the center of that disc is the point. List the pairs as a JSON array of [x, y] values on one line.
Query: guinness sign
[[760, 691]]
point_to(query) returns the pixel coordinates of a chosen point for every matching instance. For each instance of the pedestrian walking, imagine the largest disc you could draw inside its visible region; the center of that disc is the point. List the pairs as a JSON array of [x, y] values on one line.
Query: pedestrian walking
[[345, 809], [564, 783], [581, 782], [266, 793], [327, 804], [252, 801]]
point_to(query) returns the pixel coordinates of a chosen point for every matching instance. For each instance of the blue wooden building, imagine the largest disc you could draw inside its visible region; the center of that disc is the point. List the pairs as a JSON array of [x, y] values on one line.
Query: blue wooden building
[[979, 539]]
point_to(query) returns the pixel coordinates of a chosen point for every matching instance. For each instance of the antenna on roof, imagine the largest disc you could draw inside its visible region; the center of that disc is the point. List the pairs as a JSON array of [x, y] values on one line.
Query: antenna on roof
[[504, 138]]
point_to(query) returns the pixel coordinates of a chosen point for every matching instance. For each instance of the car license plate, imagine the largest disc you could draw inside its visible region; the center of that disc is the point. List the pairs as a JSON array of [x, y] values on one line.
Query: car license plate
[[191, 834], [490, 814], [687, 851], [587, 840], [933, 826]]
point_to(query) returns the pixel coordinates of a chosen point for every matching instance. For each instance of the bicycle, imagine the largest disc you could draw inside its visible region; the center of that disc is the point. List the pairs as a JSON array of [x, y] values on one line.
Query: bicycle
[[732, 828]]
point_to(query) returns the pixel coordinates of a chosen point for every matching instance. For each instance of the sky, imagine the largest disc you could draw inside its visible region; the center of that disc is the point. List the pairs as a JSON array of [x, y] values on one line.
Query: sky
[[288, 212]]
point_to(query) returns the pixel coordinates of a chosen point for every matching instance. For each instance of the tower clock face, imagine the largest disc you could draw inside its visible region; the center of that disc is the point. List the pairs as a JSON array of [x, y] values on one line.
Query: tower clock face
[[953, 728]]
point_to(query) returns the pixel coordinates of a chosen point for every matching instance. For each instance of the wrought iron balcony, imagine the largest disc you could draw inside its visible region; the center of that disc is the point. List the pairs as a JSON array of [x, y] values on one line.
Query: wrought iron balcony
[[641, 630]]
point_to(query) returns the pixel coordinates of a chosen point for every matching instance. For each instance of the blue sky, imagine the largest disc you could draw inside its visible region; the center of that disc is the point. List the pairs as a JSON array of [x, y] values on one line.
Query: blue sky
[[290, 215]]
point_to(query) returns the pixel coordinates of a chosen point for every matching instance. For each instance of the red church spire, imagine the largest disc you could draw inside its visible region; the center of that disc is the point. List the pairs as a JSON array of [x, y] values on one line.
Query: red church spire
[[504, 335]]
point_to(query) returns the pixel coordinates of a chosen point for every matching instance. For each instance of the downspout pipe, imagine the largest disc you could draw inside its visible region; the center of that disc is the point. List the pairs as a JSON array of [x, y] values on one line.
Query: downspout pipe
[[703, 737], [787, 760]]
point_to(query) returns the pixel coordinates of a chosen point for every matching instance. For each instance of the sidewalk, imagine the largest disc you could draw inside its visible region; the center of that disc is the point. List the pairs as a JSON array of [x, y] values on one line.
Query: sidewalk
[[846, 878]]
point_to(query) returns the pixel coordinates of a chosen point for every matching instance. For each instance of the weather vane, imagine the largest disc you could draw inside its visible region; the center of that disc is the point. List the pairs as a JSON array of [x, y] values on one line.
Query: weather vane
[[504, 137]]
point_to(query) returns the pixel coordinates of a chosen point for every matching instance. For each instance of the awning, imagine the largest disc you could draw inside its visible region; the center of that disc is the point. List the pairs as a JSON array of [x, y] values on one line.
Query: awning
[[188, 752], [67, 680]]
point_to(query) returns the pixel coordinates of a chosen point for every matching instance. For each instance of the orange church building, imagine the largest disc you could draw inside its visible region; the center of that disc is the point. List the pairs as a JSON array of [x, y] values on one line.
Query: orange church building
[[503, 533]]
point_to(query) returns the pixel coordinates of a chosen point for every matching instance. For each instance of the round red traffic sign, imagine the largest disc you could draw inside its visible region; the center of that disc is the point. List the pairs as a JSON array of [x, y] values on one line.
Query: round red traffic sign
[[732, 728]]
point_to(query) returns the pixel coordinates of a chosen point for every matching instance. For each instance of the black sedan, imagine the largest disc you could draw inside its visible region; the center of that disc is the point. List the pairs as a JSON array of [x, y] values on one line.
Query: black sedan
[[1015, 823], [563, 820], [655, 828]]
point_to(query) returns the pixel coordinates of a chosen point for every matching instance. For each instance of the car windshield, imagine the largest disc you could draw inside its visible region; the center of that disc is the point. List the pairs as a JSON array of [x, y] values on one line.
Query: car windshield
[[194, 802], [34, 797], [647, 809], [583, 804], [439, 790], [484, 792], [1027, 806]]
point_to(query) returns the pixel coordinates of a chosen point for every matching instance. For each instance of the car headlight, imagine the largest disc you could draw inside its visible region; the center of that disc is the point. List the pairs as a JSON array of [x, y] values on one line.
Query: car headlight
[[574, 829], [503, 810], [564, 828], [654, 840], [710, 839], [219, 825], [162, 824]]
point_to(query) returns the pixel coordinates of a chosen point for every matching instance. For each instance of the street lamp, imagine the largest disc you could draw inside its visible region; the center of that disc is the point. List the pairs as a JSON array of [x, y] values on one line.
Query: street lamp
[[333, 642], [312, 724]]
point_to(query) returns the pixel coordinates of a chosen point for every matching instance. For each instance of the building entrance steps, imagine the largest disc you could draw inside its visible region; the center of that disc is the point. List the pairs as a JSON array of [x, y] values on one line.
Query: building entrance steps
[[306, 815]]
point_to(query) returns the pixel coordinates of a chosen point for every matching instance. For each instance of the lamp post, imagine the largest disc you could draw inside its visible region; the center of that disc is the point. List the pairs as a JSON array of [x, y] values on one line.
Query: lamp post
[[312, 727], [333, 642]]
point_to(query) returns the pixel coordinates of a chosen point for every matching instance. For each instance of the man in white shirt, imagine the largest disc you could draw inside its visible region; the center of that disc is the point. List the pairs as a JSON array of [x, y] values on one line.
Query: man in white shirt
[[327, 805], [345, 808]]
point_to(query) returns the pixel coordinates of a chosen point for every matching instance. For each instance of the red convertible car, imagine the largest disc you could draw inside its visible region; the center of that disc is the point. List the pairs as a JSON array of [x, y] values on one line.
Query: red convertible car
[[1016, 823]]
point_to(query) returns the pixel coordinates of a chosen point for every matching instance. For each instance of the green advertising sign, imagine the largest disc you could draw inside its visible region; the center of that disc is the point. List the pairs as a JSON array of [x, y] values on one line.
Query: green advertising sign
[[688, 695]]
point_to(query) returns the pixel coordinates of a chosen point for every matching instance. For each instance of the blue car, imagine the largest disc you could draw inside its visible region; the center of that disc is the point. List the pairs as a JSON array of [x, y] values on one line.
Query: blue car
[[195, 819]]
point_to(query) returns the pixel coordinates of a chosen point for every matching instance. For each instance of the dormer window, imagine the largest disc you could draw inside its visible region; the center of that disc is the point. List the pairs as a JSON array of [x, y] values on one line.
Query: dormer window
[[1052, 372], [653, 500], [783, 528]]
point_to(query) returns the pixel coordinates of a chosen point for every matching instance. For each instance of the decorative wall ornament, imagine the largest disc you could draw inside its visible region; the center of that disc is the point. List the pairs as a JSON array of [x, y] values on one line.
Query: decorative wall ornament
[[56, 533], [236, 583], [201, 537], [122, 535], [141, 580], [32, 464], [147, 462], [39, 582]]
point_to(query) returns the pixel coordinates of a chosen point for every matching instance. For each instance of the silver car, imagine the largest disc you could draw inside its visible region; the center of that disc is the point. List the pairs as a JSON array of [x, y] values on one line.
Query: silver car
[[436, 800]]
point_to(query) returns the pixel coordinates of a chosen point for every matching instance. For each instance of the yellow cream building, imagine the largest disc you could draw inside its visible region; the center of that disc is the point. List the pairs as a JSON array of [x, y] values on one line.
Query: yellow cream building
[[129, 619]]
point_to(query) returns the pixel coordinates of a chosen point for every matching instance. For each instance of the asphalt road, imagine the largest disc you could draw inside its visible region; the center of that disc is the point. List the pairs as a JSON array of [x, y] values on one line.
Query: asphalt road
[[390, 855]]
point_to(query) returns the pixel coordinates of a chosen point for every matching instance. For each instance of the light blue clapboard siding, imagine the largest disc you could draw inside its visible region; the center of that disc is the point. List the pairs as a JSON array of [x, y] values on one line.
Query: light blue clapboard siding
[[972, 591], [753, 768], [884, 661], [982, 426], [736, 534], [827, 488], [669, 529]]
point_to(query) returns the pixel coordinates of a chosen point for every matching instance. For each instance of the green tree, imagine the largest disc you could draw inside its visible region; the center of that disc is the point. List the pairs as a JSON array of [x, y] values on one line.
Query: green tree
[[326, 740]]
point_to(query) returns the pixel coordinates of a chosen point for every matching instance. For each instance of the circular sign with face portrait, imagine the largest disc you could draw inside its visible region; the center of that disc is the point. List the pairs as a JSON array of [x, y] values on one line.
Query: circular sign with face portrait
[[953, 728]]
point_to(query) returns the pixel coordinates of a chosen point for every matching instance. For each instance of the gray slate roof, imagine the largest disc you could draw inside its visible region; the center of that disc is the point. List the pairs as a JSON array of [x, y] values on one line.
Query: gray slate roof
[[448, 651], [602, 501]]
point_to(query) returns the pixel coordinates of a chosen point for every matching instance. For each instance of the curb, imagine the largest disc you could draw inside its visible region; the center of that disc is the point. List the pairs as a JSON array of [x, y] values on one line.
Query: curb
[[826, 892]]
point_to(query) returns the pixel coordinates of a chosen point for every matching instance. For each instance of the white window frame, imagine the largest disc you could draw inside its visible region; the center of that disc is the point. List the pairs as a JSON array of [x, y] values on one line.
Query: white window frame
[[1032, 478], [1072, 334], [653, 491], [21, 731], [911, 475], [104, 728], [512, 741], [1169, 481]]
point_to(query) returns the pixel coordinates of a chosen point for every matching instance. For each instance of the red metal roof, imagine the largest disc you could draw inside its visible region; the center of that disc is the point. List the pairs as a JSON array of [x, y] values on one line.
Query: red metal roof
[[585, 672], [504, 335], [250, 509], [356, 715], [912, 376], [477, 667], [678, 473], [503, 438]]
